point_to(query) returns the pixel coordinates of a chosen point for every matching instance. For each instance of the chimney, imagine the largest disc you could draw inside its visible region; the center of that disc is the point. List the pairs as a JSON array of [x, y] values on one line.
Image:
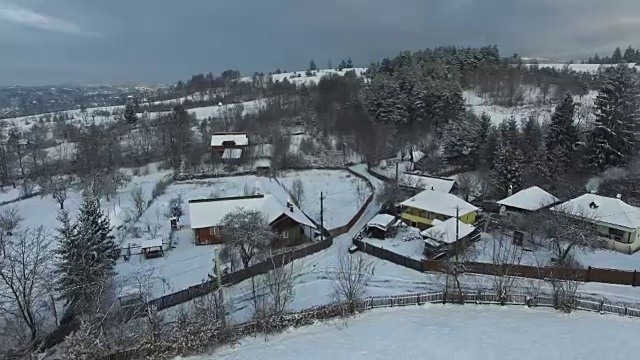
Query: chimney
[[619, 196], [290, 205]]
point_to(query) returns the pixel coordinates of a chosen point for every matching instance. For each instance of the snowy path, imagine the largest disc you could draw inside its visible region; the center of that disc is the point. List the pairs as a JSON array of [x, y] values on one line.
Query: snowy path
[[449, 332]]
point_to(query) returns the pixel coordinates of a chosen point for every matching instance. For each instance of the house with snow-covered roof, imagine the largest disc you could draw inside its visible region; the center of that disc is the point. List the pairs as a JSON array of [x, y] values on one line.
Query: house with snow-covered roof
[[418, 181], [421, 210], [229, 147], [618, 223], [527, 200], [446, 233], [286, 219]]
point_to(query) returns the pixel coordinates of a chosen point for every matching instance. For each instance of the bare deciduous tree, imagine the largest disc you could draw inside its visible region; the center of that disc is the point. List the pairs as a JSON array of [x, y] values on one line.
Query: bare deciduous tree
[[23, 278], [57, 186], [390, 196], [467, 185], [247, 233], [297, 192], [351, 278], [138, 200], [565, 231], [361, 190], [505, 256], [10, 219], [277, 287], [564, 283]]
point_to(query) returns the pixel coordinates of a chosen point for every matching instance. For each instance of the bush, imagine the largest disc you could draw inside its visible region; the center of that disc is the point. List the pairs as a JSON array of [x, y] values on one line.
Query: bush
[[160, 188]]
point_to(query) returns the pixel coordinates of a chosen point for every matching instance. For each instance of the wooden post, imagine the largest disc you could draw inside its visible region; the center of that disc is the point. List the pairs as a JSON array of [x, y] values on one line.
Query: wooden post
[[634, 278], [588, 273]]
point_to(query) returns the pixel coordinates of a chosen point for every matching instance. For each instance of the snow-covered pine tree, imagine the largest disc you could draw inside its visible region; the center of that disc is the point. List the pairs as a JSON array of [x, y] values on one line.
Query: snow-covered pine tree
[[130, 113], [461, 141], [531, 139], [562, 136], [488, 142], [86, 255], [617, 56], [312, 65], [613, 140], [508, 161]]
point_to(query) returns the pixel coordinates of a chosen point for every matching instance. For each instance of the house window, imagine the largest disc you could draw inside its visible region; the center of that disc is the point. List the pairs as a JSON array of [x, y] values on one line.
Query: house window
[[285, 234], [215, 230]]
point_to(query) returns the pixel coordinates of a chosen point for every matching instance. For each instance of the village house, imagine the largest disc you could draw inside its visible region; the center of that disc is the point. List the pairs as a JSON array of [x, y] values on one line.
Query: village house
[[420, 210], [417, 182], [229, 147], [618, 223], [287, 220], [446, 233], [527, 200]]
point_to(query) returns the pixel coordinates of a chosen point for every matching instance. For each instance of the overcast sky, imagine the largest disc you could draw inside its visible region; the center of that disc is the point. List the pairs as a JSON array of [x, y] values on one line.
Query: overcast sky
[[155, 41]]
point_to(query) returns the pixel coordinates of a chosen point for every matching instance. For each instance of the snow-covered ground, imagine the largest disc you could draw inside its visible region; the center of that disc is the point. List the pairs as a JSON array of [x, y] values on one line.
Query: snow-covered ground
[[590, 68], [407, 242], [187, 264], [299, 77], [314, 286], [480, 105], [344, 194], [450, 332]]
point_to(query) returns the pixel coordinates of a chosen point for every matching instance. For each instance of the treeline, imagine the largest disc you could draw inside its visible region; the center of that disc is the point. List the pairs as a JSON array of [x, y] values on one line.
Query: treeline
[[630, 55]]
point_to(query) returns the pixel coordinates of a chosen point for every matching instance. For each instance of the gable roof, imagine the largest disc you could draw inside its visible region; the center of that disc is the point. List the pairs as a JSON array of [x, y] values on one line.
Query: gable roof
[[531, 199], [439, 203], [602, 209], [445, 231], [381, 221], [240, 139], [427, 182], [206, 213]]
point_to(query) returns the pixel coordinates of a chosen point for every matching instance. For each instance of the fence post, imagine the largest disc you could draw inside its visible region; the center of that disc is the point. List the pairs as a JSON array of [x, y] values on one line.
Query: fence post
[[634, 278], [588, 273]]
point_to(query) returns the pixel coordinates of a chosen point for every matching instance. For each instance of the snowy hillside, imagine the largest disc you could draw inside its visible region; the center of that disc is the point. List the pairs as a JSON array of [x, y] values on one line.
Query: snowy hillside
[[450, 332], [299, 77], [591, 68], [479, 104]]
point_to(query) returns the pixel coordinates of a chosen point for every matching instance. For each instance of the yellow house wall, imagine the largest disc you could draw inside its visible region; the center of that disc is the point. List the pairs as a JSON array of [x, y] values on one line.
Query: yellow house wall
[[426, 217]]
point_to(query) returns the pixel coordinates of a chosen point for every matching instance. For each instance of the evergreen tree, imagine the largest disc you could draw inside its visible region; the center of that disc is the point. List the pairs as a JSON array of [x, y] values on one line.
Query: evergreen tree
[[613, 140], [488, 142], [617, 56], [349, 63], [130, 113], [86, 255], [562, 137], [312, 65], [507, 167], [461, 141], [531, 139], [629, 55]]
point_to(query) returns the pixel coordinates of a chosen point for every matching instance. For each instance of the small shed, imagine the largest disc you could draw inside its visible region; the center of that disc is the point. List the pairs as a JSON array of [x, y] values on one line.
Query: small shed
[[152, 248], [443, 233], [175, 223], [130, 296], [380, 225]]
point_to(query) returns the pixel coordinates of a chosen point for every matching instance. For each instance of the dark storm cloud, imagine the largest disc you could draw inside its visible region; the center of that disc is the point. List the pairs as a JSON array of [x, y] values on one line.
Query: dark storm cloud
[[97, 41]]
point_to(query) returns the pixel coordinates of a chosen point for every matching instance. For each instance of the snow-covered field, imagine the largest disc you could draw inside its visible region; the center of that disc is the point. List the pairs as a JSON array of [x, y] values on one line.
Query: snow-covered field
[[344, 194], [480, 105], [299, 77], [449, 332], [590, 68]]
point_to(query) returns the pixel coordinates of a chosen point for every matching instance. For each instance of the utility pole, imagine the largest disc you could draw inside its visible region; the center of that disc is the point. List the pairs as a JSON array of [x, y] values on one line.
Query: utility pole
[[457, 231], [397, 169], [322, 214]]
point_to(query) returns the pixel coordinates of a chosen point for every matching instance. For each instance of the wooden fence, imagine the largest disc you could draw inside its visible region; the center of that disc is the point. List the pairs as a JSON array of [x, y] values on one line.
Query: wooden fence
[[479, 297], [590, 274]]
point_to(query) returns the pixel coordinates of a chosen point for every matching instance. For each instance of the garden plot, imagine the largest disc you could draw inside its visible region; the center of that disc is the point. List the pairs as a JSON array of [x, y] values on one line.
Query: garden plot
[[450, 332], [344, 194]]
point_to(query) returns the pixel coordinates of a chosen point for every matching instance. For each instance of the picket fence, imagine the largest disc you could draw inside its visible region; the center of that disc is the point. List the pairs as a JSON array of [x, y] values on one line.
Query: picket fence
[[470, 297]]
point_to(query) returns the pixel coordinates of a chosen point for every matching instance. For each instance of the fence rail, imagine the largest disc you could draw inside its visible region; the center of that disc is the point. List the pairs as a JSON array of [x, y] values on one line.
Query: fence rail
[[590, 274], [469, 297]]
